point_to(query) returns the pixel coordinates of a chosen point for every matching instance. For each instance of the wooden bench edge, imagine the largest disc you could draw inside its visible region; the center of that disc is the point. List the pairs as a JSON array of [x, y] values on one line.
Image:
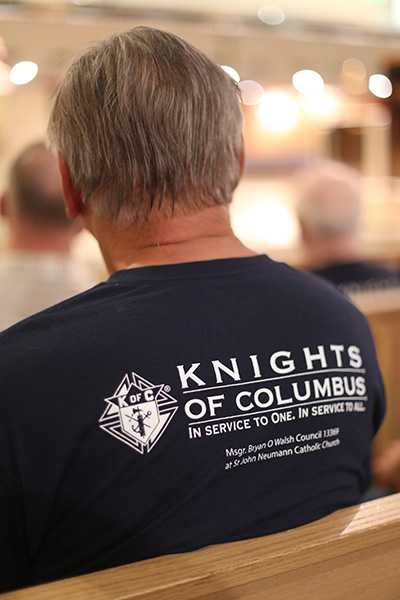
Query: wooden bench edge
[[343, 532]]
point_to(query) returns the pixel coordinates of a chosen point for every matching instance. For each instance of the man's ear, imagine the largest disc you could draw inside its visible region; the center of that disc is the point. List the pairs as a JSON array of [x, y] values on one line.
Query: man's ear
[[72, 196]]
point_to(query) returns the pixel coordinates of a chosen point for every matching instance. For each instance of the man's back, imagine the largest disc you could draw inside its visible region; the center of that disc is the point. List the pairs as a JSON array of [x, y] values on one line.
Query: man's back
[[184, 405]]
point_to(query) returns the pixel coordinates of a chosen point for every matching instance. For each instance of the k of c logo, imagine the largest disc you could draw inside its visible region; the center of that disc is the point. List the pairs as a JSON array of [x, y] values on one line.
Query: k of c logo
[[138, 413]]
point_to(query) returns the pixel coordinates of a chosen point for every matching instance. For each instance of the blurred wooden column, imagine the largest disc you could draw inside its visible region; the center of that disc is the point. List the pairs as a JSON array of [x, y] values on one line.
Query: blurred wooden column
[[393, 103], [382, 309]]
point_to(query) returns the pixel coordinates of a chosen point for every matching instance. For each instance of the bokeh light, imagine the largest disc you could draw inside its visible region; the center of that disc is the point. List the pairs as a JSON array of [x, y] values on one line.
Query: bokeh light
[[308, 82], [354, 69], [380, 85], [252, 92], [231, 72], [271, 14], [324, 106], [279, 112], [23, 72]]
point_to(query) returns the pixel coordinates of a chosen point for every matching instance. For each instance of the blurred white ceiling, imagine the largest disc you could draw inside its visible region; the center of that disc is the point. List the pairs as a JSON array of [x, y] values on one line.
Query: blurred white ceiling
[[376, 13], [317, 34]]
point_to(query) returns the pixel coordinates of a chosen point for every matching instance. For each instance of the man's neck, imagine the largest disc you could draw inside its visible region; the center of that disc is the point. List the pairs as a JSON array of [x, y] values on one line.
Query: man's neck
[[204, 235]]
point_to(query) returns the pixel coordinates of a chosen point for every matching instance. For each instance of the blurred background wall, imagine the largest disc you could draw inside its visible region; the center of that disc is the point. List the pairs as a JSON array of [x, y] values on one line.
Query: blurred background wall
[[319, 80]]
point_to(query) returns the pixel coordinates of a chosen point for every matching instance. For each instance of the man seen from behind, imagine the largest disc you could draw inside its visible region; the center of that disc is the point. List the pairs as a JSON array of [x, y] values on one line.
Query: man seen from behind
[[203, 394]]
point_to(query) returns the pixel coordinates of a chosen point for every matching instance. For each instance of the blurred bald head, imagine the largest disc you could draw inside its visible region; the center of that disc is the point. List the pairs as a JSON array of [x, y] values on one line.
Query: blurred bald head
[[329, 203], [34, 190], [329, 199]]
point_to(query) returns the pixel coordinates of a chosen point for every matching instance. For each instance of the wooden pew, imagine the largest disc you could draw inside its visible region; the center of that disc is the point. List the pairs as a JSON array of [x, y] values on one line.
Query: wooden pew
[[353, 553], [382, 309]]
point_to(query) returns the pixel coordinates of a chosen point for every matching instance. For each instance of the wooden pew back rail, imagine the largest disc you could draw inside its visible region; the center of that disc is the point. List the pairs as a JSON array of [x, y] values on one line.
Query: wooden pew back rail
[[353, 553]]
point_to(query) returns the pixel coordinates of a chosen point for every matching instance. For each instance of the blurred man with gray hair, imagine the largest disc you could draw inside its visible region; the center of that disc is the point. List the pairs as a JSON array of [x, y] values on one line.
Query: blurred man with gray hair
[[37, 267], [197, 396], [329, 208]]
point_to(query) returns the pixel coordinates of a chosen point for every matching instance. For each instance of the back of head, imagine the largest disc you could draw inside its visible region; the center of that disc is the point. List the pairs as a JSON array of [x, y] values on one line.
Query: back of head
[[35, 193], [146, 121], [329, 199]]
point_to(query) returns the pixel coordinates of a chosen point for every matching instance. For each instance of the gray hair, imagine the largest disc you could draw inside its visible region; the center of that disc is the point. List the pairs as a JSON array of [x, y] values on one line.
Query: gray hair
[[146, 120], [329, 198], [34, 188]]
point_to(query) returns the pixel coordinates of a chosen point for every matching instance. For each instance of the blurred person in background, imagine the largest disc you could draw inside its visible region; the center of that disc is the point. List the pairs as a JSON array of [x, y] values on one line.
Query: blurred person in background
[[37, 269], [329, 207]]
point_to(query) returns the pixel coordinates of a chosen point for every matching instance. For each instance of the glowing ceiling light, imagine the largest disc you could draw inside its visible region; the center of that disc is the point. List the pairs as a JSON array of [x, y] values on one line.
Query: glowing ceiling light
[[279, 112], [271, 14], [232, 72], [308, 82], [23, 72], [380, 86], [252, 92]]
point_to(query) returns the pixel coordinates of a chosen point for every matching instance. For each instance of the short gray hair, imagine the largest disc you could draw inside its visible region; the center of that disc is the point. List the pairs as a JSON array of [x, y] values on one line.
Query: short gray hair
[[329, 198], [146, 120]]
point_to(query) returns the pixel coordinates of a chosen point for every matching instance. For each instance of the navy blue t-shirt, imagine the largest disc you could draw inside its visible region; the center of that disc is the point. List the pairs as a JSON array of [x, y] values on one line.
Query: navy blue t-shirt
[[178, 406]]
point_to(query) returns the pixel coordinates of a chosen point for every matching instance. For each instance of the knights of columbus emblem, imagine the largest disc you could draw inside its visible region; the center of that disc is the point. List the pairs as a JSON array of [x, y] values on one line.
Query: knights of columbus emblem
[[138, 413]]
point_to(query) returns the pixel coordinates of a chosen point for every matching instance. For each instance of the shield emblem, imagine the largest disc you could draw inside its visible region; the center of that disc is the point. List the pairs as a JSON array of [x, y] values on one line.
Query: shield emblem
[[140, 420]]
